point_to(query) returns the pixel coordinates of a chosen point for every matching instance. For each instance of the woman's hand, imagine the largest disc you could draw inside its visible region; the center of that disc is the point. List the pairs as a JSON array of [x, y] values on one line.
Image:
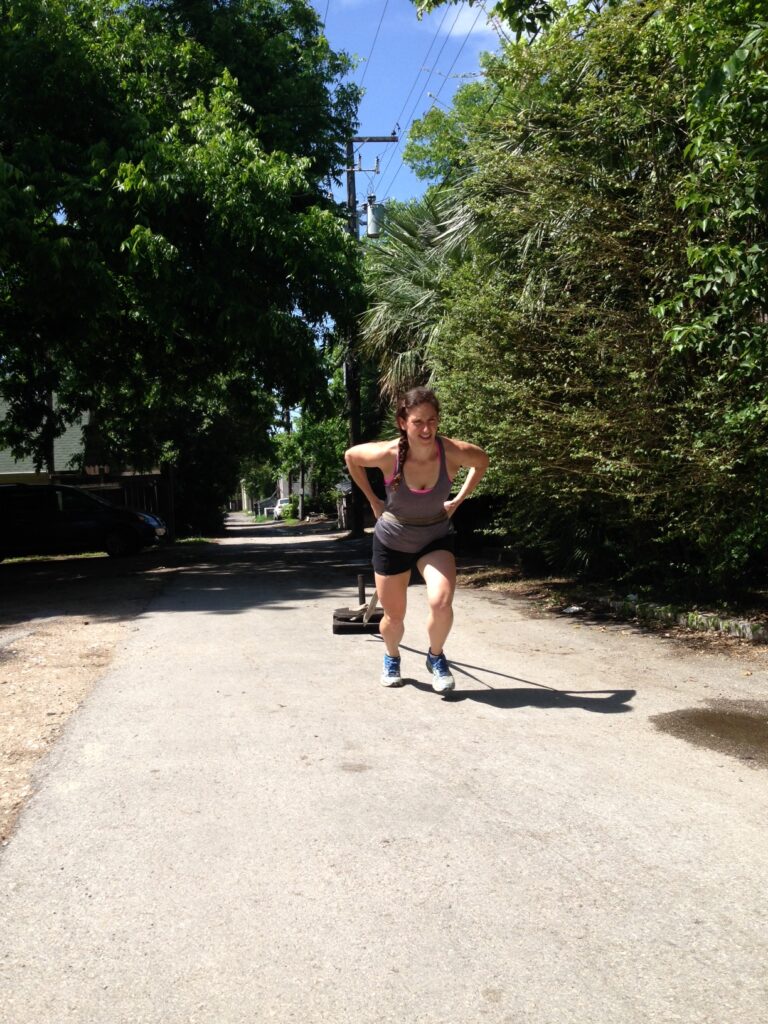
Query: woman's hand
[[378, 507], [451, 506]]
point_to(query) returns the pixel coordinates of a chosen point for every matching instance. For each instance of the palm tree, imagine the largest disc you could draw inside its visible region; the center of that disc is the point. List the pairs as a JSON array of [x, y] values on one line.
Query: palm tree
[[406, 277]]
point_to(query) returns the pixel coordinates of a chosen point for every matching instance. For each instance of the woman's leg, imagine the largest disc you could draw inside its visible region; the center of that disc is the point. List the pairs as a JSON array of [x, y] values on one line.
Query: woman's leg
[[393, 595], [439, 571]]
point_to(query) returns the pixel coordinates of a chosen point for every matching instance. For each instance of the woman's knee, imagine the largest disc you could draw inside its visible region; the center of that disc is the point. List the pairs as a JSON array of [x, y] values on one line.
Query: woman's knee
[[441, 600], [395, 616], [393, 597]]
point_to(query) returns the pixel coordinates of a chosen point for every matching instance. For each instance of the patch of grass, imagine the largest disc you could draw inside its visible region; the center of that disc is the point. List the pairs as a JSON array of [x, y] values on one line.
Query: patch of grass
[[53, 558], [195, 540]]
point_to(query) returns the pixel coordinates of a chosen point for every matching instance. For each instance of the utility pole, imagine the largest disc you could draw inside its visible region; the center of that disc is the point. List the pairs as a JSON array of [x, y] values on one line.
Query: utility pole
[[351, 361]]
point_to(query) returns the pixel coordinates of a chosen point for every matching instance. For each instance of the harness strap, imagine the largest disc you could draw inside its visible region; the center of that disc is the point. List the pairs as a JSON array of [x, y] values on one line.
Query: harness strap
[[415, 520]]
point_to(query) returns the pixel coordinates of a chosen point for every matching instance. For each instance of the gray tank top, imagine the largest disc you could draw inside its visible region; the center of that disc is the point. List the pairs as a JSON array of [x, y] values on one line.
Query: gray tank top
[[413, 519]]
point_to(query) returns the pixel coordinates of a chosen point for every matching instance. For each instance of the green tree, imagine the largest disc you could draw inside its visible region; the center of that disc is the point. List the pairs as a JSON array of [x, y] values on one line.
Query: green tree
[[716, 310], [525, 16], [545, 345], [439, 143], [722, 306], [313, 450], [165, 222], [621, 161], [259, 476], [214, 439]]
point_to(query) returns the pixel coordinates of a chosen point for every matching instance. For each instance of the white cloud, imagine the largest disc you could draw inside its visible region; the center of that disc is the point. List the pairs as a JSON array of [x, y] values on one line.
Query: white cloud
[[470, 19]]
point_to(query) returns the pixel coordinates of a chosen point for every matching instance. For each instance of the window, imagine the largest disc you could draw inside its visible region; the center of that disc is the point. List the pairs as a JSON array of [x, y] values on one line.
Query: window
[[75, 501], [27, 502]]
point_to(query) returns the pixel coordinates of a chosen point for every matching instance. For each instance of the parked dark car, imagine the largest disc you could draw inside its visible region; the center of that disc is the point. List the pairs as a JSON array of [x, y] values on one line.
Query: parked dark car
[[53, 519]]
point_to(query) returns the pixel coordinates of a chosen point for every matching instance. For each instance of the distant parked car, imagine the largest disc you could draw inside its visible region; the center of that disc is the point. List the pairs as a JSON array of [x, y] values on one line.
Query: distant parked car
[[48, 519], [281, 508]]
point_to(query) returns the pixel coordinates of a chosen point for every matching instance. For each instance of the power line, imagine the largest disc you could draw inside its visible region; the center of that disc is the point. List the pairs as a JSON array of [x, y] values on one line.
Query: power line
[[455, 59], [373, 44], [404, 131], [413, 111], [419, 70], [421, 66]]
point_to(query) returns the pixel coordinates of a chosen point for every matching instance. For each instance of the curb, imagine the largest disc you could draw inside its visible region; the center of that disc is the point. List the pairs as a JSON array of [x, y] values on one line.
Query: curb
[[646, 611]]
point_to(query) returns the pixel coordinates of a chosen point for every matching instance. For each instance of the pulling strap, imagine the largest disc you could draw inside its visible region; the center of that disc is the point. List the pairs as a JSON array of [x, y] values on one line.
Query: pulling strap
[[415, 520]]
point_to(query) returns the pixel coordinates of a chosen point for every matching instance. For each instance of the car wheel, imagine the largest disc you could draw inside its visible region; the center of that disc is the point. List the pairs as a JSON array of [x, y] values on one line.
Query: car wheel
[[117, 544]]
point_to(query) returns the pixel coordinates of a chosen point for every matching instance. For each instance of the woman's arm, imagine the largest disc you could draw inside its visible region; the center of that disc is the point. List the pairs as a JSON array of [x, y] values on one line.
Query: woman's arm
[[461, 454], [374, 455]]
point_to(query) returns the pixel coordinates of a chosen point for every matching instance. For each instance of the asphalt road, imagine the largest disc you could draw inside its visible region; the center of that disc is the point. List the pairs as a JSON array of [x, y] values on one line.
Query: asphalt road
[[242, 825]]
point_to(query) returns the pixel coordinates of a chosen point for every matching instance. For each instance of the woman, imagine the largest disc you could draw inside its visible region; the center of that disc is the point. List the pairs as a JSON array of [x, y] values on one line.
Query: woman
[[413, 526]]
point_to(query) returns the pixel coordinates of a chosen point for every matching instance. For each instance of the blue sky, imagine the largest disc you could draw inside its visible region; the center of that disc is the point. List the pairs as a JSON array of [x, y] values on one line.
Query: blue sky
[[407, 56]]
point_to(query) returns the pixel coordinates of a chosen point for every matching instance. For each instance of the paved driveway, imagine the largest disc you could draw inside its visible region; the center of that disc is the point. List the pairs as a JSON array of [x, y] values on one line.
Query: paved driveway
[[242, 825]]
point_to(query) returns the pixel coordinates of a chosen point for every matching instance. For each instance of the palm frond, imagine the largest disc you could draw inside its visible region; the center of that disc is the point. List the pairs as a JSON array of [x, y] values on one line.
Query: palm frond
[[407, 275]]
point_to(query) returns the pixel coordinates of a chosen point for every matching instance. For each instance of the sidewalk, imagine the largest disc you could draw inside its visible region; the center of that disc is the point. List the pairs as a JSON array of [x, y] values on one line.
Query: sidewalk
[[241, 825]]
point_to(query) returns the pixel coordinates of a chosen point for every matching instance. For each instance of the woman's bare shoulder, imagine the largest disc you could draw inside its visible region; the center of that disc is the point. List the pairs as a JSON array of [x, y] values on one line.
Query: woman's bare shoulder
[[463, 454], [377, 454]]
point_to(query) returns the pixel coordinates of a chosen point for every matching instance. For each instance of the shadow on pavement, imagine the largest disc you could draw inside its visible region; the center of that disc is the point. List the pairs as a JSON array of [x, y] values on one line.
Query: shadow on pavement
[[534, 695], [605, 702], [250, 568]]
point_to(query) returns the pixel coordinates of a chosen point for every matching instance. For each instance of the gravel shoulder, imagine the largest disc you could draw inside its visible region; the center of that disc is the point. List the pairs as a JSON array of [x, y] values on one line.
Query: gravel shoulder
[[61, 621]]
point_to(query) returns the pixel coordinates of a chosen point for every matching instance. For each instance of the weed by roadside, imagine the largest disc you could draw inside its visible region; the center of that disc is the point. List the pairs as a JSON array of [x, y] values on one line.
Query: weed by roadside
[[727, 625]]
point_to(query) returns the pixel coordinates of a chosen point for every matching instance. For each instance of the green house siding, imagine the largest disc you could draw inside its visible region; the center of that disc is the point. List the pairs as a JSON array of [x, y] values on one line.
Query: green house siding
[[64, 448]]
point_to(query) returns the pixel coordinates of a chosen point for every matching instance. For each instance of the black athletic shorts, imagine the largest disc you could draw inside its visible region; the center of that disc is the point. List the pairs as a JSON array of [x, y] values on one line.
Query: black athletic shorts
[[388, 562]]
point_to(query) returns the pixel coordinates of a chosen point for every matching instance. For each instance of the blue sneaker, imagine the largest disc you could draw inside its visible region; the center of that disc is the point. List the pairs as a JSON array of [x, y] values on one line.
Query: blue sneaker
[[442, 680], [390, 674]]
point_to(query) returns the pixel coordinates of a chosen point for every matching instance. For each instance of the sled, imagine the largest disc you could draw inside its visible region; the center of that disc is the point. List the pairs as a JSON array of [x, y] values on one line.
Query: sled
[[363, 619]]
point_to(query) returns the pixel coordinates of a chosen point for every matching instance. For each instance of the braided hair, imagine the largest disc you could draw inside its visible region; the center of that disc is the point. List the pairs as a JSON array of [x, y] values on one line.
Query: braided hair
[[408, 401]]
